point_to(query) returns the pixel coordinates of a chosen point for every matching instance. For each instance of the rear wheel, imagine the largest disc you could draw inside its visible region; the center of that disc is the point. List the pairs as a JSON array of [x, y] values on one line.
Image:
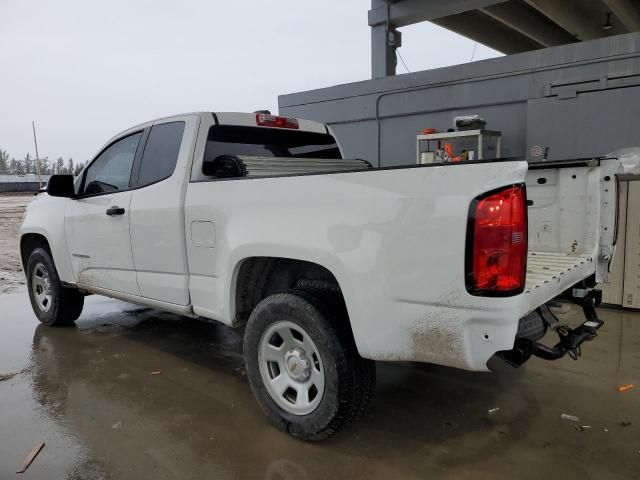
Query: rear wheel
[[53, 304], [303, 366]]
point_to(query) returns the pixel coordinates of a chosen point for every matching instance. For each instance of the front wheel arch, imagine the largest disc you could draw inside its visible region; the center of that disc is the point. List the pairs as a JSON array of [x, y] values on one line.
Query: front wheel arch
[[28, 243]]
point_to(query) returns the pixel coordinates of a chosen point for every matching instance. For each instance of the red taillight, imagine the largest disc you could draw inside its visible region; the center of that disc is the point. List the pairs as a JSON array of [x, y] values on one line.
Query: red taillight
[[266, 120], [497, 255]]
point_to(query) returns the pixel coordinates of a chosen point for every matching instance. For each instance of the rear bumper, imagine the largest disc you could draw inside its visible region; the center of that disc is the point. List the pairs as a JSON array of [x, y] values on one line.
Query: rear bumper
[[444, 335]]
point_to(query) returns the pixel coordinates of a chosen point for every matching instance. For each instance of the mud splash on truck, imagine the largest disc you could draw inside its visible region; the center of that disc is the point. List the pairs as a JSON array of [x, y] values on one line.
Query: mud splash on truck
[[438, 339]]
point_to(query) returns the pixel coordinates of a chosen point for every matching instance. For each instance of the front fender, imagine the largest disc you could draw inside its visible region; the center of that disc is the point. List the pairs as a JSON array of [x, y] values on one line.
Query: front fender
[[45, 217]]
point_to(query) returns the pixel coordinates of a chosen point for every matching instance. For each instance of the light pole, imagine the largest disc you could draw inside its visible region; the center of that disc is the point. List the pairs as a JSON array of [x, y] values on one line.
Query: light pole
[[35, 141]]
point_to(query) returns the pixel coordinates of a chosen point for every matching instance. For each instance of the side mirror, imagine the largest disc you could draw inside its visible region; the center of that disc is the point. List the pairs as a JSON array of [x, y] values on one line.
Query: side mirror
[[61, 186]]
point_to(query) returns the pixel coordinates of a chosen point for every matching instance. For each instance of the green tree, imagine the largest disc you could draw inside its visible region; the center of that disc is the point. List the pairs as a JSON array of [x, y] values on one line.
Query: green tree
[[44, 166], [79, 168], [4, 161], [28, 164], [18, 167]]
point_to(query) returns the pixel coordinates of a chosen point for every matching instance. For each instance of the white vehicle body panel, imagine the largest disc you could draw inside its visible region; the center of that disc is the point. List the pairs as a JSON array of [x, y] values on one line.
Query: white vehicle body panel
[[395, 240], [405, 301], [45, 216], [157, 227], [99, 245]]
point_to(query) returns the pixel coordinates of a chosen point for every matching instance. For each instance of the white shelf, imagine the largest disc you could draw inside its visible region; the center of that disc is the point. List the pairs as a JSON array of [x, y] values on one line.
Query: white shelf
[[459, 134], [481, 135]]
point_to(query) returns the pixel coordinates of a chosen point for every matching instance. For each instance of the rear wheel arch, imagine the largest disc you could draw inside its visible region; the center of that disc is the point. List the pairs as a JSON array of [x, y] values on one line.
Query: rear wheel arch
[[256, 278]]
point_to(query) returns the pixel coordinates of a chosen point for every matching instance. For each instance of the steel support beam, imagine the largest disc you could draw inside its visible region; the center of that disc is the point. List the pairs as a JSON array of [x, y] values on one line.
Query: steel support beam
[[407, 12], [627, 12], [530, 23], [508, 26], [488, 31], [385, 40], [383, 50], [570, 15]]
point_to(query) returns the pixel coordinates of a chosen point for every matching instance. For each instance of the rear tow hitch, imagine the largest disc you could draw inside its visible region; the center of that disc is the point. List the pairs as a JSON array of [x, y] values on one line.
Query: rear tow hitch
[[534, 326], [571, 339]]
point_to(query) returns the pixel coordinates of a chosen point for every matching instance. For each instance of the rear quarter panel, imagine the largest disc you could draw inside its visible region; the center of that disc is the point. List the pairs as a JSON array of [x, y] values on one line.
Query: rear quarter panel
[[394, 239]]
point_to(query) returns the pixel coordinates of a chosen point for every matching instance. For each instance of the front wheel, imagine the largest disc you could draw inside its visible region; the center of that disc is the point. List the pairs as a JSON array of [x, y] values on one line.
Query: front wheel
[[53, 304], [303, 366]]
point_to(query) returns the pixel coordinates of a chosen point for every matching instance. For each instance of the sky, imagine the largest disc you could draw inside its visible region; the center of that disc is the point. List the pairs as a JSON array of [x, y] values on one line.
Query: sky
[[85, 70]]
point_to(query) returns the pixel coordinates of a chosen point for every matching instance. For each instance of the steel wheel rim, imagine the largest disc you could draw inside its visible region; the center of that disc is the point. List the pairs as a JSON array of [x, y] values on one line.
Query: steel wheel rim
[[291, 368], [41, 287]]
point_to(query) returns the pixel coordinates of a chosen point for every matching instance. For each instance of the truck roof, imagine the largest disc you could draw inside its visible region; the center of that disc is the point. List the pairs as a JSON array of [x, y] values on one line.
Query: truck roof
[[225, 118], [249, 120], [235, 118]]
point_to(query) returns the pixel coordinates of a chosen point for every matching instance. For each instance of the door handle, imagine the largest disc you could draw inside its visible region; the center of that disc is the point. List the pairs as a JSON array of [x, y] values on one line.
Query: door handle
[[115, 211]]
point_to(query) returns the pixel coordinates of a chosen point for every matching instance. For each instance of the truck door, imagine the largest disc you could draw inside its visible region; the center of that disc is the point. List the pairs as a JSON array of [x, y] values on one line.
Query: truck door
[[97, 221], [157, 211]]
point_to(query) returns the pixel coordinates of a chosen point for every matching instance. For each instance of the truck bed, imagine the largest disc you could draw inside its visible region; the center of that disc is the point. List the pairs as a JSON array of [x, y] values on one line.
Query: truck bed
[[551, 268], [572, 214]]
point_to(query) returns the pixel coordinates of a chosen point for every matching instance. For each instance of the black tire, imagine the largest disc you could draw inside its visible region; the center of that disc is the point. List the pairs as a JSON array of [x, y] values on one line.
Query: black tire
[[333, 308], [65, 304], [349, 380]]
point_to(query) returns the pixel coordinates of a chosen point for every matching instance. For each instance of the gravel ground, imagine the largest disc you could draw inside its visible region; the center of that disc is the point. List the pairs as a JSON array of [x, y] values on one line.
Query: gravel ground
[[12, 206]]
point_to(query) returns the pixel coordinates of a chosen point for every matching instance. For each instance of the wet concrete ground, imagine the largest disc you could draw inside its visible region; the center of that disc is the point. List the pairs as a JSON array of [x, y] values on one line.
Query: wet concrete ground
[[91, 394], [12, 207]]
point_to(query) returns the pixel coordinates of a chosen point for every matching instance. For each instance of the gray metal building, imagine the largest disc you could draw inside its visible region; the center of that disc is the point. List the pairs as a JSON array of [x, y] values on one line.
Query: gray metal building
[[579, 98], [22, 183]]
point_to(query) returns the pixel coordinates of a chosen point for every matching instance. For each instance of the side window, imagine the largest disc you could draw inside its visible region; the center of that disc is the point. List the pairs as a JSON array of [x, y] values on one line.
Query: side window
[[111, 171], [160, 153]]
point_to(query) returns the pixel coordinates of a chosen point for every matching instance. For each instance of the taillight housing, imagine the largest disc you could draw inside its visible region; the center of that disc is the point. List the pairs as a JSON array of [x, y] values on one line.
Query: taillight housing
[[274, 121], [496, 252]]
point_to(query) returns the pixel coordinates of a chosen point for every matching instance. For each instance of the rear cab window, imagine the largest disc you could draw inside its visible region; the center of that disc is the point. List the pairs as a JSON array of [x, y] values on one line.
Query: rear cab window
[[268, 142]]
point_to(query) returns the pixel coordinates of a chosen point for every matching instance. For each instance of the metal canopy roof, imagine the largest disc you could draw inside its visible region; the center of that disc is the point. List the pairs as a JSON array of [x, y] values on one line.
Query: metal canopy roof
[[507, 26]]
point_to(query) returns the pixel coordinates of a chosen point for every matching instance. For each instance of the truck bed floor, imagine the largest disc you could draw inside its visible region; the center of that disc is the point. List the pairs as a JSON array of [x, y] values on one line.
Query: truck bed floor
[[544, 267]]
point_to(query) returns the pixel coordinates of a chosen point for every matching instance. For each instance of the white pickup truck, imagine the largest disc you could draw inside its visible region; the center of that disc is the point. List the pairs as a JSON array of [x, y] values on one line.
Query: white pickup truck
[[256, 221]]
